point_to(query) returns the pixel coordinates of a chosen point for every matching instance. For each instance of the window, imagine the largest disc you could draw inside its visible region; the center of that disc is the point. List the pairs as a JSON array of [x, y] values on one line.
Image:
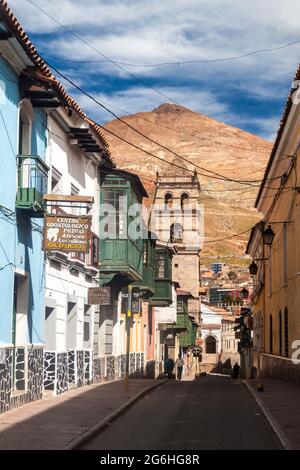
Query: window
[[160, 267], [280, 333], [176, 232], [78, 256], [71, 329], [93, 255], [168, 200], [285, 262], [56, 181], [26, 118], [115, 212], [184, 199], [75, 192], [124, 301], [271, 335], [210, 345], [270, 271], [182, 305], [50, 324], [286, 332], [87, 326]]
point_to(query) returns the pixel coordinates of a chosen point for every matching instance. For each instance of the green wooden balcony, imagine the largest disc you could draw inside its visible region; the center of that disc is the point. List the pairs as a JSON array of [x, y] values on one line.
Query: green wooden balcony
[[147, 284], [32, 184], [182, 323], [188, 337], [163, 277], [121, 256]]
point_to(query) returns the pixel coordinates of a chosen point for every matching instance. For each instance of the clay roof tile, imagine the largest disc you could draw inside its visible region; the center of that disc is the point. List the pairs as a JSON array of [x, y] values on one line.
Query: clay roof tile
[[16, 29]]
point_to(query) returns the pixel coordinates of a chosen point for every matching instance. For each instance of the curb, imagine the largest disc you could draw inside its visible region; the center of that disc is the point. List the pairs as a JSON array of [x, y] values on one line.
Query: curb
[[282, 437], [96, 428]]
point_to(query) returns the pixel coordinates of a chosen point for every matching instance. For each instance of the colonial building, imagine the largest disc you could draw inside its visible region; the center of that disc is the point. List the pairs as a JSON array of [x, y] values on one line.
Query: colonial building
[[274, 247], [127, 261], [76, 150], [47, 145], [211, 322], [24, 104], [176, 218], [229, 342]]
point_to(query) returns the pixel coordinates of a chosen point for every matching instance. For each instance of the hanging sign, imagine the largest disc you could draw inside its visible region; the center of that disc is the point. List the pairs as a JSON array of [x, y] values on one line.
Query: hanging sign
[[99, 296], [70, 233]]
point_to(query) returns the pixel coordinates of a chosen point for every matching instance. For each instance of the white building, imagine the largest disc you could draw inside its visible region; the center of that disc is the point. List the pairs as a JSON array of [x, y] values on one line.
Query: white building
[[220, 346], [211, 322], [74, 156]]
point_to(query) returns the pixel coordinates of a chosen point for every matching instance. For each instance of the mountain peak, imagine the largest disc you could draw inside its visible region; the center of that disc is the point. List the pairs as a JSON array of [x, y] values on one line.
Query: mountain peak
[[170, 108]]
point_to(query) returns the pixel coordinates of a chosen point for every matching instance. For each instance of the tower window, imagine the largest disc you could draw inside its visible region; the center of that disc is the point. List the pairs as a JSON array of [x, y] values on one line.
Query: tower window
[[184, 199], [168, 200], [176, 233]]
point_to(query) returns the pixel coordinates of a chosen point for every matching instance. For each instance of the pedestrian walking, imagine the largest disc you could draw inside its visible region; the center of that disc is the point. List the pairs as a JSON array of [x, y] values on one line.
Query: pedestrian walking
[[179, 363], [236, 370], [169, 366]]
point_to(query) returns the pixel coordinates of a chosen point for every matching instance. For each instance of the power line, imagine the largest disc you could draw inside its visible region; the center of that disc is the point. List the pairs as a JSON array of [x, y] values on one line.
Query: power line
[[217, 176], [137, 78], [179, 62], [229, 237], [99, 52]]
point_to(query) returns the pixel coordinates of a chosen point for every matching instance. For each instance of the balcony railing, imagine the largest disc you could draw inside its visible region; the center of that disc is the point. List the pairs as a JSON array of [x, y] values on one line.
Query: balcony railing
[[32, 183]]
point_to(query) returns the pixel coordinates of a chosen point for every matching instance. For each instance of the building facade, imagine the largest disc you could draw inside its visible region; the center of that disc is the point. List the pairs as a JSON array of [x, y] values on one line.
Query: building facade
[[177, 219], [23, 173], [274, 246], [74, 156]]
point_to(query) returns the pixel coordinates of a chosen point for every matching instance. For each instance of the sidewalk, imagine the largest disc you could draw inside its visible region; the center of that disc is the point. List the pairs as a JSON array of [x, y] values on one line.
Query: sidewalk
[[281, 400], [54, 422]]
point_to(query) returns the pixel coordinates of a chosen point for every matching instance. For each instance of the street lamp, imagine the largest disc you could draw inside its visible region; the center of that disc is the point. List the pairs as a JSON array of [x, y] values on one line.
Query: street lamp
[[244, 293], [253, 268], [268, 235]]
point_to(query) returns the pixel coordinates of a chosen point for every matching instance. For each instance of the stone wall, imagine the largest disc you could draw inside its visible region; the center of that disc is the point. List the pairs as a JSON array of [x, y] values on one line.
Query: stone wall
[[27, 385], [280, 368]]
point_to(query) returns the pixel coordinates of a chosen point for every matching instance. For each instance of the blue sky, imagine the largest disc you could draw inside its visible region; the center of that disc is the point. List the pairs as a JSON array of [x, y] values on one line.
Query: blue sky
[[248, 93]]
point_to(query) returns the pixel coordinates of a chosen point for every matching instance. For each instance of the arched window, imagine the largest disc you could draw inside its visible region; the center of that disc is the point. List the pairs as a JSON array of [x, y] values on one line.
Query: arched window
[[280, 333], [176, 233], [168, 200], [184, 199], [210, 345], [271, 335], [286, 332]]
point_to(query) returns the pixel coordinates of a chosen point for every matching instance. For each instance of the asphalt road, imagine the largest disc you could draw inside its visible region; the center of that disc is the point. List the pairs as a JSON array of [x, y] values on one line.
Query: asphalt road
[[212, 413]]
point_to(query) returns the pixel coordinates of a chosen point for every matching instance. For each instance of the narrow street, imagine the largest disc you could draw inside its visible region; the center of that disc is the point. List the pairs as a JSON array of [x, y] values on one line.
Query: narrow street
[[211, 413]]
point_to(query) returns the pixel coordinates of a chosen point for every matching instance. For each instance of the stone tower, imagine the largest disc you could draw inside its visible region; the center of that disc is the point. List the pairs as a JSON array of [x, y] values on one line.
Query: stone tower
[[177, 219]]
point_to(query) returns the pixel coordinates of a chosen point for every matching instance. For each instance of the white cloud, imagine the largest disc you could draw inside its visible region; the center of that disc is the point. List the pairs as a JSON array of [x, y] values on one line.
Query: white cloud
[[143, 32], [142, 99]]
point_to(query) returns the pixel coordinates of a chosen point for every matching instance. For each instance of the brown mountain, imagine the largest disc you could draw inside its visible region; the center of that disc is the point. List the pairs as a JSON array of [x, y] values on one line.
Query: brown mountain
[[211, 144]]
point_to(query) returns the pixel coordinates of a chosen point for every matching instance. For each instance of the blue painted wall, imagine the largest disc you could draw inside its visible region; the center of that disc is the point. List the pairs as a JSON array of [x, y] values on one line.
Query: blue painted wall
[[9, 101], [19, 243]]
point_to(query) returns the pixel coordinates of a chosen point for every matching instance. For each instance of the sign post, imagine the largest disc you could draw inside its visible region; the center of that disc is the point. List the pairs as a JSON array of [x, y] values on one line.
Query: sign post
[[69, 233], [99, 296]]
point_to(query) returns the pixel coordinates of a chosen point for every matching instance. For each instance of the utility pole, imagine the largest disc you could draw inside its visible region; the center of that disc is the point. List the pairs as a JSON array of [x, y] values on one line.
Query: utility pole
[[128, 329]]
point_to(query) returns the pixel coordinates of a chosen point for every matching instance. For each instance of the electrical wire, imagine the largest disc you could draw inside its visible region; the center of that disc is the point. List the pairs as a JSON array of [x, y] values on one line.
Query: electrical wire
[[138, 79], [229, 237], [124, 70], [178, 62], [217, 176]]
